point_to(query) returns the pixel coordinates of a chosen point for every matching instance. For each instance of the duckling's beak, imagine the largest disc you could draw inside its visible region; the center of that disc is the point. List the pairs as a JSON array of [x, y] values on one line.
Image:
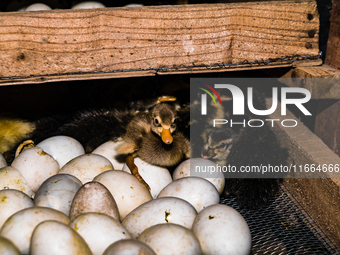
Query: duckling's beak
[[166, 136]]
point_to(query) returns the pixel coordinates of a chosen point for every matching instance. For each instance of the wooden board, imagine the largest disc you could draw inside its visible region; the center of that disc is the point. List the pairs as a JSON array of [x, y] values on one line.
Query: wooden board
[[319, 197], [162, 39], [333, 44], [319, 88], [327, 124]]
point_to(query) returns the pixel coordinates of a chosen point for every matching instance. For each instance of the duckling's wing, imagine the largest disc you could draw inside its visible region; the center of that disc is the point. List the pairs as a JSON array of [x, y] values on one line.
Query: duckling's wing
[[91, 128]]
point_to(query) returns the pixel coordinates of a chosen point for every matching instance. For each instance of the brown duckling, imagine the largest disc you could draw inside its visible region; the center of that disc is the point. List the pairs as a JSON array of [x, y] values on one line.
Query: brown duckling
[[153, 137]]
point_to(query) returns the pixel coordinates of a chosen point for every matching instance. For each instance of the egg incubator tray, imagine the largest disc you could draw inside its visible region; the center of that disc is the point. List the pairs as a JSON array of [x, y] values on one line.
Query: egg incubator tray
[[284, 228]]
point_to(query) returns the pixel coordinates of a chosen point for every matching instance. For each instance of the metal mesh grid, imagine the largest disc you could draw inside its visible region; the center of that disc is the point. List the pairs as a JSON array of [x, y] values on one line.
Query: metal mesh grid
[[283, 227]]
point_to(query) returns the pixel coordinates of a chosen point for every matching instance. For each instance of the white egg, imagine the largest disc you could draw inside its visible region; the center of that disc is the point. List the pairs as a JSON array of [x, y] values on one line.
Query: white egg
[[99, 230], [222, 230], [36, 166], [133, 5], [12, 201], [3, 161], [197, 191], [62, 148], [19, 227], [38, 7], [157, 211], [108, 150], [86, 167], [128, 247], [188, 168], [88, 5], [7, 247], [57, 192], [171, 239], [11, 178], [127, 191], [55, 238], [155, 176]]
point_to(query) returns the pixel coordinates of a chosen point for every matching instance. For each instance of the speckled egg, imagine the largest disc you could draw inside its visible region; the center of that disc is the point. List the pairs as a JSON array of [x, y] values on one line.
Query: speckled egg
[[57, 192], [157, 211], [94, 197], [171, 239], [127, 191], [155, 176], [99, 230], [36, 166], [86, 167], [55, 238], [191, 167], [19, 227], [12, 201], [11, 178], [197, 191], [222, 230], [62, 148]]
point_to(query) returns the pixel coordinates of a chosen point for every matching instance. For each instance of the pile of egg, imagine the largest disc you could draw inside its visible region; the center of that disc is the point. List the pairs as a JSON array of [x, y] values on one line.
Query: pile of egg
[[82, 5], [55, 199]]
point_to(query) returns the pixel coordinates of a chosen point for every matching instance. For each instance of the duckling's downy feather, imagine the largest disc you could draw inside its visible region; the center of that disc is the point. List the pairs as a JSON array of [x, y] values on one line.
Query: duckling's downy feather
[[13, 131]]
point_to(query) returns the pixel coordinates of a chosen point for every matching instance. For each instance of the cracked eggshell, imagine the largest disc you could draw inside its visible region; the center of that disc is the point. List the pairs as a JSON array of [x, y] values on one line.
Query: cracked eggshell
[[128, 247], [169, 238], [36, 166], [99, 230], [222, 230], [88, 5], [7, 247], [11, 178], [54, 238], [127, 191], [94, 197], [19, 227], [86, 167], [12, 201], [38, 7], [108, 150], [3, 161], [156, 177], [187, 168], [197, 191], [62, 148], [157, 211], [57, 192]]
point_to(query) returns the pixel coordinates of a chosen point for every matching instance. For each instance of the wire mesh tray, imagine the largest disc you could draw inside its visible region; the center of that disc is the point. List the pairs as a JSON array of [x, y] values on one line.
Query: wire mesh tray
[[283, 227]]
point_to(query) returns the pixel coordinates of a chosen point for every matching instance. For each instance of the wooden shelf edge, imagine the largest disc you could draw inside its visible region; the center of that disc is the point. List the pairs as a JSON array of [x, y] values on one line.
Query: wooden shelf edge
[[314, 194], [110, 75]]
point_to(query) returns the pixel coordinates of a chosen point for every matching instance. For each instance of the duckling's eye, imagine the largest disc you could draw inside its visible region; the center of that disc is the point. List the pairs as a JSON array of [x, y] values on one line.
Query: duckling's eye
[[156, 121]]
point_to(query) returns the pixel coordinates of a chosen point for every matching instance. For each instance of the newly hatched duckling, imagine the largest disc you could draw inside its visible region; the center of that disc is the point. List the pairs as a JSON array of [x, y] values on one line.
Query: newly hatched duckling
[[217, 144], [152, 136]]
